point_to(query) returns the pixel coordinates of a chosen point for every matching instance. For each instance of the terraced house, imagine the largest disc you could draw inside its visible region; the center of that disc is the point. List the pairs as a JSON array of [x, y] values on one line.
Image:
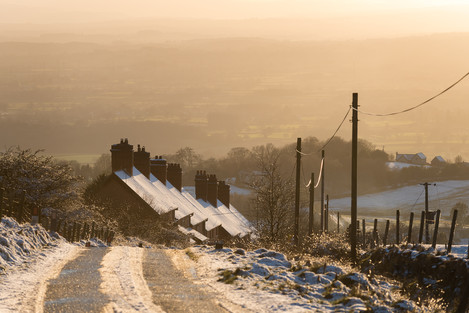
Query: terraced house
[[155, 187]]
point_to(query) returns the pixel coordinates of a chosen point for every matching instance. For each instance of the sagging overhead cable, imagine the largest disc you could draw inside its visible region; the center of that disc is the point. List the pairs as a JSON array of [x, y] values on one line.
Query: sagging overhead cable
[[418, 105], [337, 130], [319, 178]]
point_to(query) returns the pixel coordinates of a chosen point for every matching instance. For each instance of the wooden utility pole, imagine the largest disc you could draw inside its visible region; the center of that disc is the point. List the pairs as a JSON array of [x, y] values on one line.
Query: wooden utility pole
[[297, 191], [353, 226], [311, 205], [322, 190]]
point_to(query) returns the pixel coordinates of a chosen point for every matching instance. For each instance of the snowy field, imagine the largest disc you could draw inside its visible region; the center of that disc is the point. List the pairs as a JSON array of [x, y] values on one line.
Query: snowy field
[[233, 190], [444, 195]]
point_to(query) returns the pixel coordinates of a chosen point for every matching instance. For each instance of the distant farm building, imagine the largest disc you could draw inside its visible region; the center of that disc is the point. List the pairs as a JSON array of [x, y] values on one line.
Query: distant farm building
[[153, 186], [416, 159], [438, 161]]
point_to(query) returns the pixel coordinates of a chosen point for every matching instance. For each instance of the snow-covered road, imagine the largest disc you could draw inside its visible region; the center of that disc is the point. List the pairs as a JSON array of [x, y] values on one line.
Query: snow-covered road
[[232, 280]]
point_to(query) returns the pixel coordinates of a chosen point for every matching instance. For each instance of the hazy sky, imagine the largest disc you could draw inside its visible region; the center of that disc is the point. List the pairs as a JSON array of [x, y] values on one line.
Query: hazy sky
[[147, 21], [46, 11]]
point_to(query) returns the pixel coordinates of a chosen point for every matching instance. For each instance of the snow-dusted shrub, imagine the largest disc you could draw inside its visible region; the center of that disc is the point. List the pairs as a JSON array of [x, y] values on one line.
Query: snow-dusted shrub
[[332, 245], [47, 183]]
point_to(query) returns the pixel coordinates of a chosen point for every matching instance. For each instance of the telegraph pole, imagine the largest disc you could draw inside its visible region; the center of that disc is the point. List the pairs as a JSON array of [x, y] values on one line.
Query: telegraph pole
[[322, 190], [311, 205], [353, 226], [297, 191]]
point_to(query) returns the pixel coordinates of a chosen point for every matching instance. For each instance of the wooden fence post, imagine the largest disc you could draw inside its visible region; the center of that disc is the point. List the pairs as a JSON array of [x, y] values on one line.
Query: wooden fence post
[[451, 233], [386, 231], [59, 223], [338, 222], [358, 231], [64, 229], [69, 233], [411, 221], [92, 231], [10, 204], [375, 233], [19, 212], [398, 240], [74, 228], [422, 225], [2, 191], [78, 236], [435, 231], [85, 228], [364, 233]]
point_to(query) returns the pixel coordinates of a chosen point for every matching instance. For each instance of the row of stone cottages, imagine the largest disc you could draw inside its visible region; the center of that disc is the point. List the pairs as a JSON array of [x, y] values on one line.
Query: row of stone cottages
[[157, 187]]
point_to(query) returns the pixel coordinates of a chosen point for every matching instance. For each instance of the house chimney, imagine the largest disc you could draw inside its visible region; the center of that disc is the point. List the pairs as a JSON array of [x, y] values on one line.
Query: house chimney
[[174, 175], [212, 190], [201, 185], [158, 168], [122, 157], [142, 161], [224, 193]]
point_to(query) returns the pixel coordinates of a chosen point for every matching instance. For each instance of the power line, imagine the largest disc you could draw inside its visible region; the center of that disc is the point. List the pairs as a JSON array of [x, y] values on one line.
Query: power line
[[417, 200], [418, 105], [337, 130]]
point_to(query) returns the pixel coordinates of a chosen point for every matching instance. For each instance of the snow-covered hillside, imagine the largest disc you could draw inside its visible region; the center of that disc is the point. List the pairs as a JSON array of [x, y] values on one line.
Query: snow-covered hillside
[[443, 195]]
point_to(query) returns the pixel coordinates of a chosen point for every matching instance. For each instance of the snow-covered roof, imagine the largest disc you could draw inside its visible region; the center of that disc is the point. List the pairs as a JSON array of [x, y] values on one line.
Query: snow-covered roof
[[165, 198], [439, 159], [143, 187], [405, 156], [421, 156], [193, 233], [172, 197], [230, 219]]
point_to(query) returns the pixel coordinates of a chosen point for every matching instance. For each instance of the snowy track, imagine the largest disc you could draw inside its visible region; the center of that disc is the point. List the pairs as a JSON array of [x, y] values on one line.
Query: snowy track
[[123, 281], [24, 289]]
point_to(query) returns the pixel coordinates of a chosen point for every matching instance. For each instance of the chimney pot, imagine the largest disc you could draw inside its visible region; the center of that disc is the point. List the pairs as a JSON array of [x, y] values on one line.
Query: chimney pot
[[159, 168], [224, 193], [212, 190], [142, 161], [201, 185], [122, 157], [174, 175]]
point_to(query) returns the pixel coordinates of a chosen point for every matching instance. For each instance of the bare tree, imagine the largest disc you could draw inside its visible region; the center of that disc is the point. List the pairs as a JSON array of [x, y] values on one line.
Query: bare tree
[[274, 196], [186, 156]]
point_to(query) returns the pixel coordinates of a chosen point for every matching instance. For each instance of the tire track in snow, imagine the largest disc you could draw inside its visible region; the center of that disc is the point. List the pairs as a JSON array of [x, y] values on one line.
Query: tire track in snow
[[123, 281]]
